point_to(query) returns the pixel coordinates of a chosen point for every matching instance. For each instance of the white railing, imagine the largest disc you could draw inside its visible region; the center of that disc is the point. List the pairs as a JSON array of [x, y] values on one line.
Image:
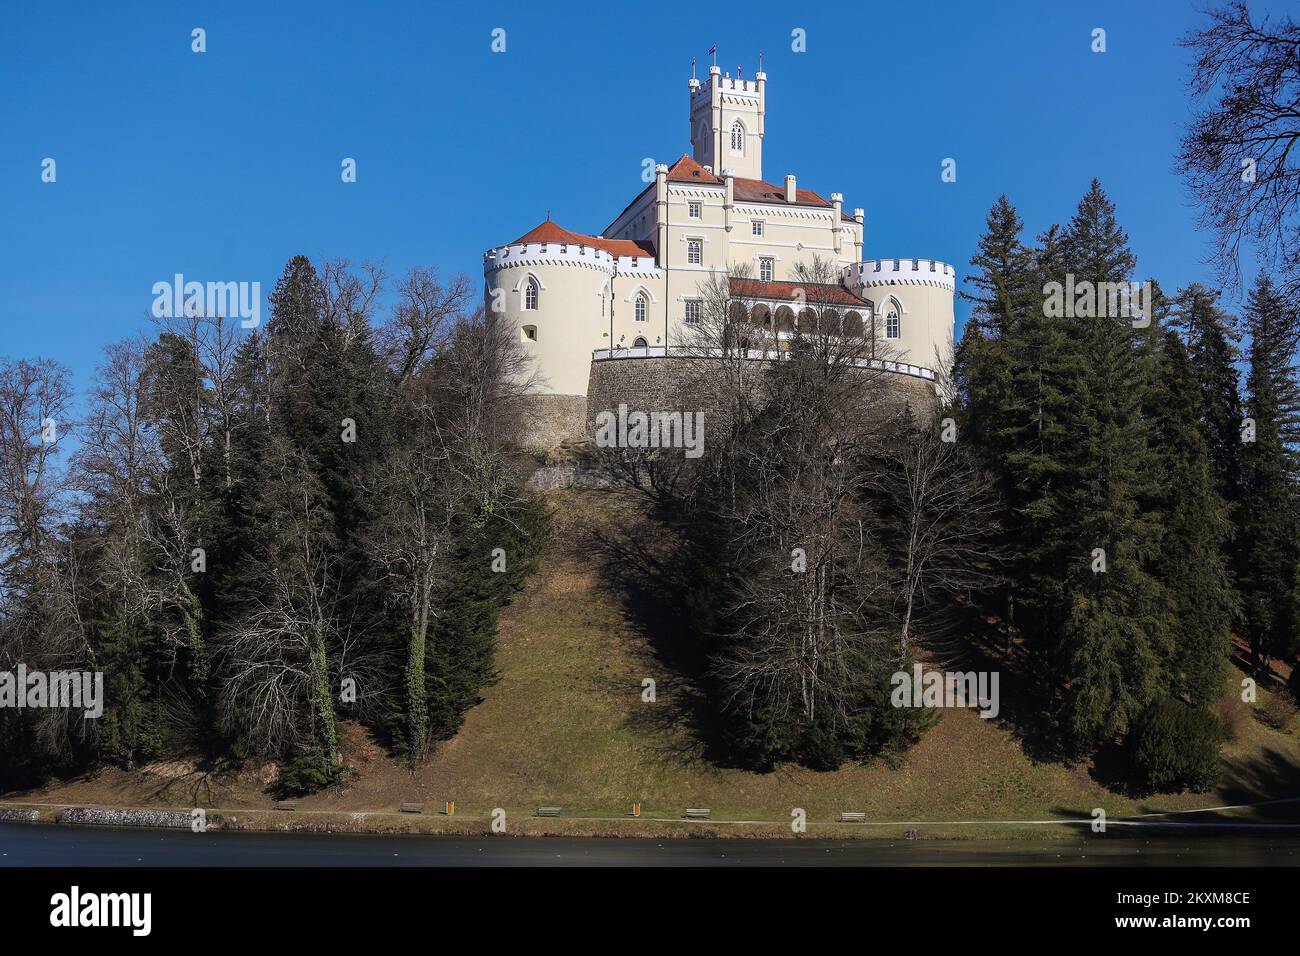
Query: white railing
[[642, 351], [757, 355]]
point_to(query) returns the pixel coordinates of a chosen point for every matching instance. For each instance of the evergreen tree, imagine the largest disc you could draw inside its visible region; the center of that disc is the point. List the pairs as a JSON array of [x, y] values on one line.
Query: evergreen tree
[[1192, 564], [1105, 619], [1044, 356], [984, 368], [1267, 519], [1211, 344]]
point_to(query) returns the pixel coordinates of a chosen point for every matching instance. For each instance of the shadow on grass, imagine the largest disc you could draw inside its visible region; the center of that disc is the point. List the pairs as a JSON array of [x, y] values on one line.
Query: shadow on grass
[[962, 638], [203, 784], [1271, 780], [641, 571]]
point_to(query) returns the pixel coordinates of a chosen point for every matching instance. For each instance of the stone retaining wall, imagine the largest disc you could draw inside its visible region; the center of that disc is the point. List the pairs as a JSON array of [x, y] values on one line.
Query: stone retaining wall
[[668, 384], [651, 384], [99, 816], [551, 420]]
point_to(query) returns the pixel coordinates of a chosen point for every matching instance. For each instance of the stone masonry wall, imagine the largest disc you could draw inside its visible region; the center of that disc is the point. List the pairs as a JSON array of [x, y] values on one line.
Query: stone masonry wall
[[551, 420], [648, 384], [665, 384]]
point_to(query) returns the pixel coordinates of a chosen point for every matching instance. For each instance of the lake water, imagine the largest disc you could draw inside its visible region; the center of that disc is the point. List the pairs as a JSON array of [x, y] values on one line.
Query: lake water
[[51, 845]]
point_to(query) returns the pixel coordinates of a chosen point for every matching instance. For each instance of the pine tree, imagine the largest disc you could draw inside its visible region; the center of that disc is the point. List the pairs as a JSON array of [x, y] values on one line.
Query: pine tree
[[1108, 630], [983, 363], [1192, 565], [1211, 344], [1268, 515], [990, 404]]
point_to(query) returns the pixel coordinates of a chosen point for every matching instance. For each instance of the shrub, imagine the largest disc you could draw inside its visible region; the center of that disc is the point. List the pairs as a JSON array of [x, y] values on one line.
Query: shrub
[[308, 772], [1233, 714], [1174, 746], [1279, 711]]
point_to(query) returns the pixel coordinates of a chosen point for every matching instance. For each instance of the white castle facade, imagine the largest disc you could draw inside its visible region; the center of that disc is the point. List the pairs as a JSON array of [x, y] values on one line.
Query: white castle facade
[[634, 290]]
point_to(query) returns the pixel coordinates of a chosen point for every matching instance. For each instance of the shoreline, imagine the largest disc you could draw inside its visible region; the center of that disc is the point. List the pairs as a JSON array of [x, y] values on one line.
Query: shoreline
[[526, 824]]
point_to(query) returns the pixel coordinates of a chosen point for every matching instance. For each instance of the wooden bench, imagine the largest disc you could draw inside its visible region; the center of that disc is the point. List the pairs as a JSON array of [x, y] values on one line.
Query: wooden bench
[[413, 808], [697, 813], [287, 805], [853, 816], [548, 811]]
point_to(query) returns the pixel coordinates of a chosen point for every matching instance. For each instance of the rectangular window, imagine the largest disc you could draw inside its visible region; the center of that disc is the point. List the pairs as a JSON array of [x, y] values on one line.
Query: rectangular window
[[694, 251], [693, 210], [892, 329], [692, 311], [765, 270], [757, 227]]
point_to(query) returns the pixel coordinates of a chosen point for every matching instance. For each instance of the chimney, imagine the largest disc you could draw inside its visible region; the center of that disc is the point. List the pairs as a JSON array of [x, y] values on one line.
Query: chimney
[[837, 225], [661, 215], [728, 197], [789, 187]]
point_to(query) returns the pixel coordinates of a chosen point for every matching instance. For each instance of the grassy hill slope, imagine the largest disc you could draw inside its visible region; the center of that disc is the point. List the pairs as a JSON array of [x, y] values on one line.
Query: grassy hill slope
[[566, 725]]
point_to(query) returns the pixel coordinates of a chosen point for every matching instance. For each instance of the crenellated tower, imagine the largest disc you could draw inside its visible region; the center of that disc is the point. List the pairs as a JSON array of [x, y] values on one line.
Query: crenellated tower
[[727, 116]]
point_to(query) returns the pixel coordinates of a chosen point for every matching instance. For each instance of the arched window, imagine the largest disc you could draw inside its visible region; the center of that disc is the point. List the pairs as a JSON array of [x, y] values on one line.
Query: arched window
[[737, 137], [640, 307], [530, 294], [893, 327]]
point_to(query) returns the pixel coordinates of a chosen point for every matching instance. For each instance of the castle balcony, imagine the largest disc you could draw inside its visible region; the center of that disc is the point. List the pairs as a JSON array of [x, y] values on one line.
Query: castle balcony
[[755, 355]]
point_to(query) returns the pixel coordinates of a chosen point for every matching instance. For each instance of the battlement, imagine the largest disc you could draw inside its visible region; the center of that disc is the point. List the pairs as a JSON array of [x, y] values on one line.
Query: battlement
[[562, 253], [874, 272], [728, 84]]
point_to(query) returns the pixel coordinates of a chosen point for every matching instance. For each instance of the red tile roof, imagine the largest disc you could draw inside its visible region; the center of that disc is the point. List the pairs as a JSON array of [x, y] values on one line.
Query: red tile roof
[[687, 170], [552, 232], [755, 190], [812, 292]]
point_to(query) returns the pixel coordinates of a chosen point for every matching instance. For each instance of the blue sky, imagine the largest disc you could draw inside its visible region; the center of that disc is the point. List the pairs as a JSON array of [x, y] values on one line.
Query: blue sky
[[224, 164]]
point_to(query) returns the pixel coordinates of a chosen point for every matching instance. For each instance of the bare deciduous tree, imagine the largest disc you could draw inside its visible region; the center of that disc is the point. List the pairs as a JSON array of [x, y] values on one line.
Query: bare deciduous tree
[[1239, 155], [35, 419], [275, 661], [940, 513]]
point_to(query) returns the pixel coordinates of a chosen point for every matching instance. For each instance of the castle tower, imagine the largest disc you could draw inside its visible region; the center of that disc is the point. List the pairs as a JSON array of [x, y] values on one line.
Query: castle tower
[[727, 123]]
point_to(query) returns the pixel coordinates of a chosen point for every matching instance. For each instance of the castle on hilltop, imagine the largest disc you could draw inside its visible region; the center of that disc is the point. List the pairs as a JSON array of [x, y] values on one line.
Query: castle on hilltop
[[632, 292]]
